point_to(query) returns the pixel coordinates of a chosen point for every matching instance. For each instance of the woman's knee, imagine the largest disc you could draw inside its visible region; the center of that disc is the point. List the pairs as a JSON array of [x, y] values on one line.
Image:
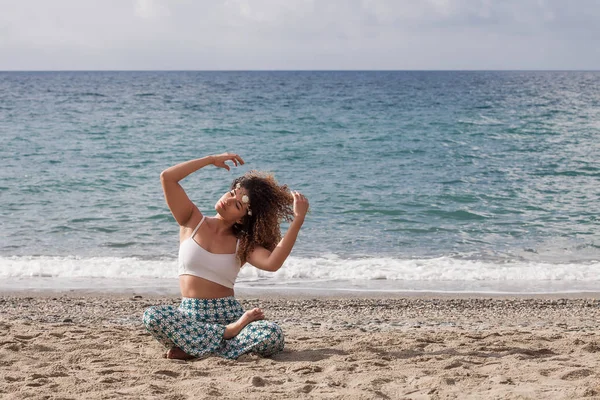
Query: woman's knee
[[274, 339], [151, 316]]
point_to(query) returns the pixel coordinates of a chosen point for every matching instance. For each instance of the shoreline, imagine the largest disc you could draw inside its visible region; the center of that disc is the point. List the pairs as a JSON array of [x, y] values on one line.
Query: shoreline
[[301, 293], [338, 288]]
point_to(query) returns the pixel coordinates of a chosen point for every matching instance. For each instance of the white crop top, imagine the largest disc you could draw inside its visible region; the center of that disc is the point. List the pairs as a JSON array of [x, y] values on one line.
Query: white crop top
[[195, 260]]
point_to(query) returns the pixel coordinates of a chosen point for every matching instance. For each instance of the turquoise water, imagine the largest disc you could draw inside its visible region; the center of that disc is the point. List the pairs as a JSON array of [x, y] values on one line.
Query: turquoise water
[[472, 167]]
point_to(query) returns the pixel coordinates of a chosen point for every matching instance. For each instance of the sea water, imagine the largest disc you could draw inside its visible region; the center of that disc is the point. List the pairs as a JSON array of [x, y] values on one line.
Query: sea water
[[417, 180]]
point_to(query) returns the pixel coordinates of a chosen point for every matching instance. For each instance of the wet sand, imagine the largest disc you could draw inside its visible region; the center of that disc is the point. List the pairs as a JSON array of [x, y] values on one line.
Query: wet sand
[[90, 346]]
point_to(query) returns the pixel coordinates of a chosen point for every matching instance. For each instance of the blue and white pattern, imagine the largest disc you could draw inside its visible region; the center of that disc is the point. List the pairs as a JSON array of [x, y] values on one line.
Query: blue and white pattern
[[197, 327]]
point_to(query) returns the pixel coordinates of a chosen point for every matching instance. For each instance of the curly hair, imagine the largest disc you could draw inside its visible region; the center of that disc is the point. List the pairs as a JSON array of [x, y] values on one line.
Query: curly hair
[[270, 204]]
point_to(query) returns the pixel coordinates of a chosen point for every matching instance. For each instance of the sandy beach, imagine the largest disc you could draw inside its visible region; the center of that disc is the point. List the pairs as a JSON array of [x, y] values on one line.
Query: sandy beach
[[89, 346]]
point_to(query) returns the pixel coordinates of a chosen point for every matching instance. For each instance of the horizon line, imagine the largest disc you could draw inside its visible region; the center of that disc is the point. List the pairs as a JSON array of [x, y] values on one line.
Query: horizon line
[[300, 70]]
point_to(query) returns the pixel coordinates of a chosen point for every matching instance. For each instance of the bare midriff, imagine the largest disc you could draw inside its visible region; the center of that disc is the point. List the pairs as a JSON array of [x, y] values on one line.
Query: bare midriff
[[200, 288]]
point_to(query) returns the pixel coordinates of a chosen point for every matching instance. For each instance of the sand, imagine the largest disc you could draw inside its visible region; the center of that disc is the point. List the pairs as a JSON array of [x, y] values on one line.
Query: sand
[[75, 346]]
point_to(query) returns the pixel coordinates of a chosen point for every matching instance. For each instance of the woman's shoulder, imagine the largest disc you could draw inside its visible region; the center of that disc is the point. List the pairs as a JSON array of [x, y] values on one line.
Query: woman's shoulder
[[193, 222]]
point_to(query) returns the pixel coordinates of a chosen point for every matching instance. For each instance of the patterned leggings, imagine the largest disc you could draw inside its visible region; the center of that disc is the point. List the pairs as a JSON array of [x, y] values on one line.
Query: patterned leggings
[[197, 327]]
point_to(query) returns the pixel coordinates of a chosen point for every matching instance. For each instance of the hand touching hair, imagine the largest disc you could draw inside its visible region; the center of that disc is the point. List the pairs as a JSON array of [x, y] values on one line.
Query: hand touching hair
[[270, 204]]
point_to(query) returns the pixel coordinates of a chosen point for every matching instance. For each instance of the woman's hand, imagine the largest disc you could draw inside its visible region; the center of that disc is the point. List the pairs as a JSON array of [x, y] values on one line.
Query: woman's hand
[[219, 160], [300, 205], [267, 260]]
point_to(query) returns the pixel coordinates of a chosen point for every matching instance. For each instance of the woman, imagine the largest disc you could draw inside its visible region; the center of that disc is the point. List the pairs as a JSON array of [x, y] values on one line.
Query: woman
[[211, 252]]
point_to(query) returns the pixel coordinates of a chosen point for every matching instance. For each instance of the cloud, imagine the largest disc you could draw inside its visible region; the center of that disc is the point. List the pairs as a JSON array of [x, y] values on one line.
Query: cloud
[[298, 34]]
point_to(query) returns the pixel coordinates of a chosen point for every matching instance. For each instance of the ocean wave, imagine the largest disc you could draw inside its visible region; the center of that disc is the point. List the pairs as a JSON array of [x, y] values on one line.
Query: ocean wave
[[317, 269], [457, 214]]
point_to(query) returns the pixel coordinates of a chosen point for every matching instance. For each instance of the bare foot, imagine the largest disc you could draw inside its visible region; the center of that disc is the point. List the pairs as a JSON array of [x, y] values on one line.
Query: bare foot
[[232, 330], [177, 354], [251, 315]]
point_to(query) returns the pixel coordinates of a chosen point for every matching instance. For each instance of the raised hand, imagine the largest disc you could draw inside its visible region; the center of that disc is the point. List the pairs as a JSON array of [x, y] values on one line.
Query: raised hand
[[300, 205], [219, 160]]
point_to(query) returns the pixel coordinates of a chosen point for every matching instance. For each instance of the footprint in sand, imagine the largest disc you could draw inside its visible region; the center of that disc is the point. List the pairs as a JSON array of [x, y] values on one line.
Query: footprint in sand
[[591, 347], [26, 337], [577, 374], [38, 380], [109, 380], [156, 389], [14, 347], [449, 381], [257, 381], [379, 382], [548, 371], [453, 364], [307, 369], [305, 389]]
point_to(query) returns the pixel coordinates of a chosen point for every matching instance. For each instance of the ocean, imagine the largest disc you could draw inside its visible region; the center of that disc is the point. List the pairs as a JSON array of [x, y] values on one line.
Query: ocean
[[442, 181]]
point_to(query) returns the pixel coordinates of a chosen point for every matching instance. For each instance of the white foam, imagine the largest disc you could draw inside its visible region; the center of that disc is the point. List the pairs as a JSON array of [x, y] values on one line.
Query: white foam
[[433, 269], [89, 267], [324, 268]]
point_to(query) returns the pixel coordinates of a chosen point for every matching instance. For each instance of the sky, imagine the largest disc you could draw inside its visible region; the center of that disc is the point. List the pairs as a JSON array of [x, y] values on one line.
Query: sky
[[299, 34]]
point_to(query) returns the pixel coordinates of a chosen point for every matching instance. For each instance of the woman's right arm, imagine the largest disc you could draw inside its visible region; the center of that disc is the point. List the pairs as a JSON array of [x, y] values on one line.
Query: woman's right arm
[[179, 203]]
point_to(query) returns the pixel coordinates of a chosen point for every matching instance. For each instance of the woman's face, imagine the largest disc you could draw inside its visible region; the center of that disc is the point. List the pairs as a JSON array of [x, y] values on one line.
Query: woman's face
[[231, 205]]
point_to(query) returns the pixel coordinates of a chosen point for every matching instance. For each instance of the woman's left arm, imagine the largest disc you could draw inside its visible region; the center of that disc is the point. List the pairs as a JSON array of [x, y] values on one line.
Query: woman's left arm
[[267, 260]]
